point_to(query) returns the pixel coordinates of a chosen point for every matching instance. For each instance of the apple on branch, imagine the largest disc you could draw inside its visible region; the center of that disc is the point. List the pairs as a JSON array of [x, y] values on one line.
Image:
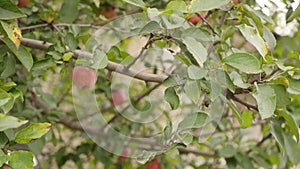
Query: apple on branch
[[117, 97], [23, 3], [83, 77], [124, 155], [109, 11], [196, 19], [154, 164]]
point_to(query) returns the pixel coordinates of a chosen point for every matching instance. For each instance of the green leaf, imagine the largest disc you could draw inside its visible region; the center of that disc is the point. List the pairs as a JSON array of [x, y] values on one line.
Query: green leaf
[[173, 21], [198, 33], [291, 148], [247, 119], [277, 131], [243, 160], [177, 5], [21, 53], [3, 141], [229, 83], [262, 161], [97, 3], [252, 36], [4, 97], [238, 80], [33, 131], [69, 11], [282, 97], [195, 72], [235, 111], [172, 98], [100, 60], [21, 159], [294, 86], [71, 41], [192, 90], [67, 56], [197, 50], [8, 10], [150, 27], [173, 80], [10, 122], [139, 3], [266, 100], [291, 123], [186, 138], [168, 130], [227, 151], [194, 120], [295, 14], [244, 62], [269, 38], [3, 159], [43, 64], [254, 19], [145, 156], [206, 5], [10, 67]]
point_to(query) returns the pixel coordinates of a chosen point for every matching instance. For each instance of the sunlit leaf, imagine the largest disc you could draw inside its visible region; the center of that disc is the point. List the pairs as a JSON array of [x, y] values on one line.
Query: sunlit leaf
[[21, 159], [253, 37], [10, 122], [32, 132], [206, 5], [244, 62]]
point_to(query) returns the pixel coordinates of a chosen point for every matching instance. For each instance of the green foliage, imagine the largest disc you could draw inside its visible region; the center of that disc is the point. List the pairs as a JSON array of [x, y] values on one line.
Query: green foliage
[[199, 87]]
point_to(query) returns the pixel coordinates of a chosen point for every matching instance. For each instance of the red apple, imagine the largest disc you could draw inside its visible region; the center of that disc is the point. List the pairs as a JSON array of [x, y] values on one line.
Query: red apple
[[154, 164], [84, 77], [6, 167], [117, 97], [23, 3], [109, 12], [235, 1], [124, 155], [194, 19]]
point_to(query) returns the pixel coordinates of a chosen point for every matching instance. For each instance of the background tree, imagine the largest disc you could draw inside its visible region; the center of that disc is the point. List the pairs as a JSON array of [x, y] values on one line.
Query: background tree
[[191, 84]]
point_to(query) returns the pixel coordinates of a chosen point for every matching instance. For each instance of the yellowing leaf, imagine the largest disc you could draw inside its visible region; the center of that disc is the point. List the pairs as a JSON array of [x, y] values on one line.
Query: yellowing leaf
[[13, 33], [17, 36]]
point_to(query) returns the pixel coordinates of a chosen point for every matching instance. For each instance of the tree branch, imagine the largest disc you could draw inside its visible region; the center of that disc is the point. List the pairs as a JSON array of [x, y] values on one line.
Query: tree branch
[[111, 66]]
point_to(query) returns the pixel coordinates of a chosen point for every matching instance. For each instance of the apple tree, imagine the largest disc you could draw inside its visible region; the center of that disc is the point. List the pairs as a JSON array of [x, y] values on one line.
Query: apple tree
[[149, 84]]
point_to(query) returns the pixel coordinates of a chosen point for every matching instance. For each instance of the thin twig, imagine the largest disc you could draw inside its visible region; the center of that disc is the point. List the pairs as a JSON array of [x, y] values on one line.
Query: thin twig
[[260, 143], [249, 106], [231, 96], [150, 41], [208, 24], [196, 152]]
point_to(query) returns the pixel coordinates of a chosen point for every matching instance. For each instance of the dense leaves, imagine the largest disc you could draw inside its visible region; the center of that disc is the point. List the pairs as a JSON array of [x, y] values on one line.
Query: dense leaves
[[218, 79]]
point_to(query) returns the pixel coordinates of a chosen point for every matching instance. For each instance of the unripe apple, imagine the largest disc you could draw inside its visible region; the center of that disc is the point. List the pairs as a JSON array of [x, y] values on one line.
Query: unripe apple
[[124, 155], [117, 97], [23, 3], [154, 164], [84, 77]]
